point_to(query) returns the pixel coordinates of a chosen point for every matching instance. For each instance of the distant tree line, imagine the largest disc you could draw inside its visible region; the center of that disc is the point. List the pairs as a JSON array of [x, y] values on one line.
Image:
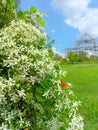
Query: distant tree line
[[85, 45]]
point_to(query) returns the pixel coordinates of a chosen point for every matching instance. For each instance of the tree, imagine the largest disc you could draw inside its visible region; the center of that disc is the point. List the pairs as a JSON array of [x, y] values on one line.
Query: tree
[[57, 57], [73, 57], [82, 56]]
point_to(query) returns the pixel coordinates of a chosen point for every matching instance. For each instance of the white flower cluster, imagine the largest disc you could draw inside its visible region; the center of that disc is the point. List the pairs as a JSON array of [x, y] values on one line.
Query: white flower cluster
[[30, 88]]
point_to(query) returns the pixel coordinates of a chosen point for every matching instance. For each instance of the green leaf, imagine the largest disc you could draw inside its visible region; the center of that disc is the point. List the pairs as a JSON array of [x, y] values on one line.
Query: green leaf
[[48, 84], [29, 96], [33, 10], [11, 3], [39, 90], [48, 77], [41, 21], [45, 84], [26, 12], [20, 14], [42, 83], [40, 98]]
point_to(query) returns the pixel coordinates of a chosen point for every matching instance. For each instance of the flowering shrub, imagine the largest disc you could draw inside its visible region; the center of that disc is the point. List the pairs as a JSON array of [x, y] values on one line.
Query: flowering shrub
[[31, 92]]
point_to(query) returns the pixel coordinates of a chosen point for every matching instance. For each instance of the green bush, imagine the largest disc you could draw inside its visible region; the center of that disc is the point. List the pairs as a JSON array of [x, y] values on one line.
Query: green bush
[[31, 96]]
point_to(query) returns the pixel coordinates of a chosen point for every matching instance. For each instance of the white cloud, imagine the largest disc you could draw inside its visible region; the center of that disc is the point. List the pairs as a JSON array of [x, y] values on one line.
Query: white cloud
[[53, 31], [79, 15], [62, 54]]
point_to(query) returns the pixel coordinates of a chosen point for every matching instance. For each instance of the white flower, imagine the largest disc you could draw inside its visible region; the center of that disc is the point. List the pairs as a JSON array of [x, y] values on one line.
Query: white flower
[[27, 59], [3, 127], [21, 93], [76, 123]]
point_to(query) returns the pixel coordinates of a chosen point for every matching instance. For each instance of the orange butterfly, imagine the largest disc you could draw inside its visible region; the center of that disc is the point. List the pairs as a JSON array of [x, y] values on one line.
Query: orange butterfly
[[64, 85]]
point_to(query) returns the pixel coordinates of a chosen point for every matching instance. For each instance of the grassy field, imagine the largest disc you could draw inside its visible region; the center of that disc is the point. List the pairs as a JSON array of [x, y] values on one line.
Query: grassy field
[[84, 79]]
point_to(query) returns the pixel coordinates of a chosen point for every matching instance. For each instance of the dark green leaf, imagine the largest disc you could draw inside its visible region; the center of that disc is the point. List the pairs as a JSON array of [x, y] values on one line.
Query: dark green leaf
[[20, 13], [42, 83], [39, 90], [40, 98]]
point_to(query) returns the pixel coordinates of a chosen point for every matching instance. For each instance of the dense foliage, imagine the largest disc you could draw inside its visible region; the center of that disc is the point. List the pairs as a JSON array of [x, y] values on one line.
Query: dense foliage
[[77, 57], [32, 95], [7, 12]]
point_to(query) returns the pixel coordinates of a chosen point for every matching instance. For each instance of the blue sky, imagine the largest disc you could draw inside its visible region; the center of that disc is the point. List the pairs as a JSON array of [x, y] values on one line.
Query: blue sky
[[66, 19]]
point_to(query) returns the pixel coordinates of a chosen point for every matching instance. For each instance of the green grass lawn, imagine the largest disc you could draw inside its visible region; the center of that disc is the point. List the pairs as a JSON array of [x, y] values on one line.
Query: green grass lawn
[[84, 79]]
